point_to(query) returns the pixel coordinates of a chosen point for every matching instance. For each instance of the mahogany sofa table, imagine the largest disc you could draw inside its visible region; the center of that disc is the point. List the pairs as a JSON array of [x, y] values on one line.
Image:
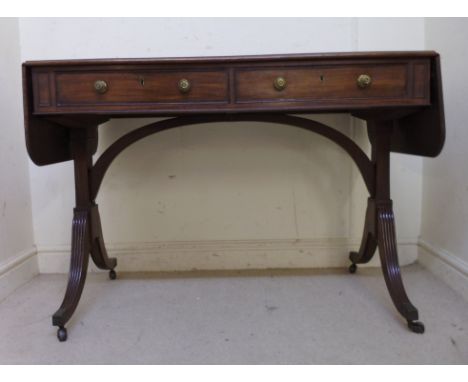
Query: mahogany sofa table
[[398, 94]]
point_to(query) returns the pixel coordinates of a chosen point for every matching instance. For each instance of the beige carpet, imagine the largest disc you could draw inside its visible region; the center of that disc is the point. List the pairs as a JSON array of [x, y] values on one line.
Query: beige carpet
[[290, 317]]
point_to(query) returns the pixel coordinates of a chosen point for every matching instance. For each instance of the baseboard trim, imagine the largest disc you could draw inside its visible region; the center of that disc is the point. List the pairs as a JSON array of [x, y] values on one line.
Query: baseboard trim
[[445, 265], [223, 255], [18, 271]]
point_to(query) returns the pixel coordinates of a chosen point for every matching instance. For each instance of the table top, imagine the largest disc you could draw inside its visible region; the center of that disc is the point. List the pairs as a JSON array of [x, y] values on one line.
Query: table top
[[402, 86], [239, 58]]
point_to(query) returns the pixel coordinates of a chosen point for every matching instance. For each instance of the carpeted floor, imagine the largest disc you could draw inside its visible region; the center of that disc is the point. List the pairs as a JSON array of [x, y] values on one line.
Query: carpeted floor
[[277, 317]]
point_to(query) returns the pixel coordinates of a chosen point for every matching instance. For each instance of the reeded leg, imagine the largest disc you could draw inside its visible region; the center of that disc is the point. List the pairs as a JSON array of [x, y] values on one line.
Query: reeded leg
[[369, 239], [390, 266], [98, 249], [86, 230], [379, 227], [78, 269]]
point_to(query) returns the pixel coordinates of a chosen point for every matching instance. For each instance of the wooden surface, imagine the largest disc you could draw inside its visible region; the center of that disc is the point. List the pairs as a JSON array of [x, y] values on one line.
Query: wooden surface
[[230, 85], [406, 88], [137, 88], [401, 101]]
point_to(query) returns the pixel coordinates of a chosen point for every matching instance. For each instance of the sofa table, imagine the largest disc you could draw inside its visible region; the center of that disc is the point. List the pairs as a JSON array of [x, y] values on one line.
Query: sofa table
[[398, 94]]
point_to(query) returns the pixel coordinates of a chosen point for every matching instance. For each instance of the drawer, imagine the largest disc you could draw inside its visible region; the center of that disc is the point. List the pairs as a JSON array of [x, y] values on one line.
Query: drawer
[[148, 88], [139, 87], [325, 83]]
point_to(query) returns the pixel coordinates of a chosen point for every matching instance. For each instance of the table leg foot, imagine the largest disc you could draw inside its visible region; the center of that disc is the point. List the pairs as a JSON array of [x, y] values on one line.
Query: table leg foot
[[352, 268], [77, 274], [62, 334], [112, 274], [416, 327]]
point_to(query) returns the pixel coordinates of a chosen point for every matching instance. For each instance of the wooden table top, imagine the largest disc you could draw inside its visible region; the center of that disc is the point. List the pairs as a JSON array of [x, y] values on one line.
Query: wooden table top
[[402, 86]]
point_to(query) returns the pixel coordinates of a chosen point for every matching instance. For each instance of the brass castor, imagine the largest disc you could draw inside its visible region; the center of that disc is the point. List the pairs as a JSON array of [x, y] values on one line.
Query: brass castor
[[416, 326], [352, 268], [62, 334], [112, 274]]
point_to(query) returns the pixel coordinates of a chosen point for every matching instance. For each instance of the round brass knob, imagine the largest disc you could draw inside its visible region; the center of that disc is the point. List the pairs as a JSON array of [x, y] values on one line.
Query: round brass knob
[[100, 86], [364, 81], [279, 83], [184, 85]]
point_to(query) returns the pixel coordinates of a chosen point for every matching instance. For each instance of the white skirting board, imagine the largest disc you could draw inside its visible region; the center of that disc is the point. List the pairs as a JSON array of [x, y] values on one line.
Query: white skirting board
[[223, 255], [18, 271], [446, 266], [234, 254]]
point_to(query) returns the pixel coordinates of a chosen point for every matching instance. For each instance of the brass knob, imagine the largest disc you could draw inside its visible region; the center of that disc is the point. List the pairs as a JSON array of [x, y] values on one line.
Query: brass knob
[[184, 85], [100, 86], [364, 81], [279, 83]]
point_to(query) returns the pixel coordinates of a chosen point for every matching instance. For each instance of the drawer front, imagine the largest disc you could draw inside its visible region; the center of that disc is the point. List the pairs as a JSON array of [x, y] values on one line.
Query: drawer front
[[322, 83], [140, 87], [238, 87]]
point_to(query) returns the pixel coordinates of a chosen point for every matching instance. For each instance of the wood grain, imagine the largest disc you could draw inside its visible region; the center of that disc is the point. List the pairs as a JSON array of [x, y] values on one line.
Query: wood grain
[[323, 83], [140, 87], [149, 87]]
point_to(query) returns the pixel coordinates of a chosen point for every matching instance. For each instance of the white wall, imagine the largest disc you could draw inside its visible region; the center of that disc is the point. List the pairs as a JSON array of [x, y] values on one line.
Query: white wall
[[444, 234], [17, 253], [222, 196]]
